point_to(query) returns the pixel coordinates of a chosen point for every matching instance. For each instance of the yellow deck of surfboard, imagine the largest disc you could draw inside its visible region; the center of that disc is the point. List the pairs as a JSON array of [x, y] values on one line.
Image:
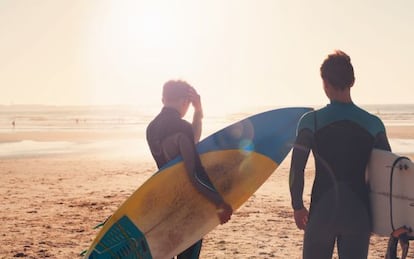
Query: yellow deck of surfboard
[[236, 175]]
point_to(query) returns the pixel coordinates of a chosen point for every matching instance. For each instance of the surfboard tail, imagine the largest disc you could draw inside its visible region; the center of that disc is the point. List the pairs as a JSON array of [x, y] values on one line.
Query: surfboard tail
[[122, 240]]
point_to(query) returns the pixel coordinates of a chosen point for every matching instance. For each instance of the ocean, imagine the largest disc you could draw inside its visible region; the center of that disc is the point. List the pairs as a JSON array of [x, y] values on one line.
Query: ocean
[[28, 119]]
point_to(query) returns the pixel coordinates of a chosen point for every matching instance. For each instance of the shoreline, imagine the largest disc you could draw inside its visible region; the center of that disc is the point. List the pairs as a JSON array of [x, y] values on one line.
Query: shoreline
[[25, 144], [67, 135], [393, 131]]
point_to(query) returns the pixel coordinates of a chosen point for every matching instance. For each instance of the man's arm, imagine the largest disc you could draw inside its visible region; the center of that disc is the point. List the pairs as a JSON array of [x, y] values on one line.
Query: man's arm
[[187, 150], [300, 156], [197, 125], [198, 114], [204, 186]]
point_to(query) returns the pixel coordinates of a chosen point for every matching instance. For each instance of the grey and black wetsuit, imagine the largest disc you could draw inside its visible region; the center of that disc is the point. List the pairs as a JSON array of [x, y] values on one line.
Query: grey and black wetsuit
[[341, 137], [166, 124]]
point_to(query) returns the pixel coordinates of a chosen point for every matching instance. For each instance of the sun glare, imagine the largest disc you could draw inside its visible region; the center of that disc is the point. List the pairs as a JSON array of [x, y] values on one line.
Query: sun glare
[[135, 50]]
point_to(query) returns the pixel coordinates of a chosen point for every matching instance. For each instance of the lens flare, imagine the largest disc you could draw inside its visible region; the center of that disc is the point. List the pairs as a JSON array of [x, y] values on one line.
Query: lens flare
[[246, 146]]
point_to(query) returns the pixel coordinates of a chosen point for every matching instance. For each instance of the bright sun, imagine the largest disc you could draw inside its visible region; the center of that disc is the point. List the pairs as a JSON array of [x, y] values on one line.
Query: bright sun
[[136, 50]]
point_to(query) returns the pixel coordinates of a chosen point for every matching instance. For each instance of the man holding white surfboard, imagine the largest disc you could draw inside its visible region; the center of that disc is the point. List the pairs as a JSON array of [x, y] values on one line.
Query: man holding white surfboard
[[341, 137], [169, 136]]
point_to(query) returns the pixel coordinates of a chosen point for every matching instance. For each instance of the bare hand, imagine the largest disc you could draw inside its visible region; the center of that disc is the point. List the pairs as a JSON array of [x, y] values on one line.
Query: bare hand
[[224, 212], [195, 99], [301, 218]]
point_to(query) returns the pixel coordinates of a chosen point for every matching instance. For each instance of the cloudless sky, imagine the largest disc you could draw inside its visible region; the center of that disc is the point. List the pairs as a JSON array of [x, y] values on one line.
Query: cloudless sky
[[237, 53]]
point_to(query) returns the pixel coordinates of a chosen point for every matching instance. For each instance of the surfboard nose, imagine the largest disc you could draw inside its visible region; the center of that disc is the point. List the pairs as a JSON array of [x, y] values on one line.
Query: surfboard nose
[[270, 133], [274, 132]]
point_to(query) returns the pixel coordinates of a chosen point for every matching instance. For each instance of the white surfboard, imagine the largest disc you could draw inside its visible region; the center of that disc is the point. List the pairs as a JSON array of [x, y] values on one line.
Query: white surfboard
[[391, 180]]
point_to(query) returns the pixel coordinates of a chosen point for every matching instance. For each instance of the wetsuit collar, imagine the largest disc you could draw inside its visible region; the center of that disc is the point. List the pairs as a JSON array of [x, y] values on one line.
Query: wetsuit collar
[[334, 102], [171, 111]]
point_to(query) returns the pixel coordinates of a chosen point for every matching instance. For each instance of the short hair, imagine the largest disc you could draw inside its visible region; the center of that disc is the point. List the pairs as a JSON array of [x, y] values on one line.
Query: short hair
[[173, 90], [337, 70]]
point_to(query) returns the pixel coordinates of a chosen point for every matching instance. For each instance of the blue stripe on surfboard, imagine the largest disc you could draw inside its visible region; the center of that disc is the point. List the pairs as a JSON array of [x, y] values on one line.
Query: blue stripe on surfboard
[[122, 240], [270, 133]]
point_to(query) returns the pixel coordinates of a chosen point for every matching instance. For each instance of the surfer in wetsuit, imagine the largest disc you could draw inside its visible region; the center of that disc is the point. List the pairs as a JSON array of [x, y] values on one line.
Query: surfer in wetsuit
[[169, 136], [341, 137]]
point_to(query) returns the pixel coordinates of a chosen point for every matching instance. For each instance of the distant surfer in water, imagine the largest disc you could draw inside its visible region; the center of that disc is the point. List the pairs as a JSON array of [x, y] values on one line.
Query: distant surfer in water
[[341, 136], [169, 136]]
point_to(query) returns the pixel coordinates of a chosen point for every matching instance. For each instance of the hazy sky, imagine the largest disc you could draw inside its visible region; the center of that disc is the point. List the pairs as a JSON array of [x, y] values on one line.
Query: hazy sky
[[237, 53]]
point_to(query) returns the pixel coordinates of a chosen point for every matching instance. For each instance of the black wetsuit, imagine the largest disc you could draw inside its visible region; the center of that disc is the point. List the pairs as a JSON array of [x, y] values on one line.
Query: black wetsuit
[[341, 137], [166, 124]]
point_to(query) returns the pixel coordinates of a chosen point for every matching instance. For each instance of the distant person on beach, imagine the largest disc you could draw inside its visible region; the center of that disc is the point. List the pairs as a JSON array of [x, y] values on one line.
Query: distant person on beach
[[341, 136], [169, 136], [14, 124]]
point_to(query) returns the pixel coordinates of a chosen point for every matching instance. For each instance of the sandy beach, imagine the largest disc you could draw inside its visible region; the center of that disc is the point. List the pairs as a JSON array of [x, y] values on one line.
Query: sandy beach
[[49, 204], [81, 81]]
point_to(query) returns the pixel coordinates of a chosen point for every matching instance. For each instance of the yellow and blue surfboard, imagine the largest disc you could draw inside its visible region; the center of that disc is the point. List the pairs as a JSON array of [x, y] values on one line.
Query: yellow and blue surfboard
[[166, 214]]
